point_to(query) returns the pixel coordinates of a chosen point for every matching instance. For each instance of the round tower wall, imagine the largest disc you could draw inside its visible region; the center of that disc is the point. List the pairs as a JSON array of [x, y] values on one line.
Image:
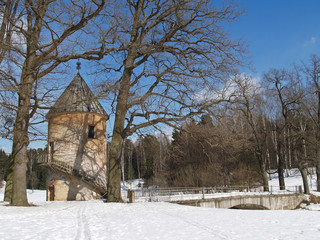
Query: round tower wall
[[78, 140]]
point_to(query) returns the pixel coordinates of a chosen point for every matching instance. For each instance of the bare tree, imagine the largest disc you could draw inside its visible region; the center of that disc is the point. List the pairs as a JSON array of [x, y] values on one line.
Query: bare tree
[[280, 81], [301, 154], [248, 101], [164, 56], [312, 75], [286, 86], [36, 37]]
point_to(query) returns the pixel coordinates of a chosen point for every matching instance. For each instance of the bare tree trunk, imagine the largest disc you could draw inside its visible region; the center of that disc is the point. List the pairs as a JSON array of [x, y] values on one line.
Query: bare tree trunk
[[275, 141], [304, 175], [318, 169], [141, 159], [268, 163], [264, 174], [267, 156], [114, 174], [279, 158], [285, 149], [130, 168], [144, 161], [289, 149], [139, 164], [21, 140], [302, 165], [19, 194], [281, 169], [318, 143], [31, 170], [122, 161]]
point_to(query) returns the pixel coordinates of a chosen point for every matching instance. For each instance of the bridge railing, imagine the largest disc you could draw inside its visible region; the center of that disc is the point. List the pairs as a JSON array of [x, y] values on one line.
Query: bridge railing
[[191, 193]]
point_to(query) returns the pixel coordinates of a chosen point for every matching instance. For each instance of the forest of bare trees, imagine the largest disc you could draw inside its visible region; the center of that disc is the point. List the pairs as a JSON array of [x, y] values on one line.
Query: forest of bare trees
[[268, 126]]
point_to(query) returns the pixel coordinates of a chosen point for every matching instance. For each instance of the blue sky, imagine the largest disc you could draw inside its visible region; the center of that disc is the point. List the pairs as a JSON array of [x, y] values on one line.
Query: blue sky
[[278, 33]]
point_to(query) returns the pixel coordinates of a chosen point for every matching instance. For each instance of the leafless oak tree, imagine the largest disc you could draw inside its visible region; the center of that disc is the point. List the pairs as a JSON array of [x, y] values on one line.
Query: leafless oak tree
[[163, 56], [36, 37]]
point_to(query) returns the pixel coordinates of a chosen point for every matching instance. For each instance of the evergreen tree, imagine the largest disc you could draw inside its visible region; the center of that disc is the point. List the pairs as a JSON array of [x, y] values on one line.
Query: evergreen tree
[[4, 165]]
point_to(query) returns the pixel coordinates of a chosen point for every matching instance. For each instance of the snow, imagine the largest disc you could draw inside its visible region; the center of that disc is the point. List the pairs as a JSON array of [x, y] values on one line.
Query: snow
[[134, 184], [99, 220], [293, 178], [152, 220]]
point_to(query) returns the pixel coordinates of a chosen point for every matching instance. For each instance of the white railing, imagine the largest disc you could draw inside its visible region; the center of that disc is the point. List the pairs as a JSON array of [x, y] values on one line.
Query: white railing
[[184, 194]]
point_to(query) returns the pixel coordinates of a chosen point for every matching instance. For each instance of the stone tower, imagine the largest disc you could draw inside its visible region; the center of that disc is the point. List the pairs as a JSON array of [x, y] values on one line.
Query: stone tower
[[77, 147]]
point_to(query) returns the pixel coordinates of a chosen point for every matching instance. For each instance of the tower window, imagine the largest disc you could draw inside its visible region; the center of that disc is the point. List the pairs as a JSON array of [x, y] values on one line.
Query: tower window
[[90, 131]]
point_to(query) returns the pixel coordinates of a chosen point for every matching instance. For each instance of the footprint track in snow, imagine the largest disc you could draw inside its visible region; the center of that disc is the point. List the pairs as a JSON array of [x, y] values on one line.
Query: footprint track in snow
[[83, 231]]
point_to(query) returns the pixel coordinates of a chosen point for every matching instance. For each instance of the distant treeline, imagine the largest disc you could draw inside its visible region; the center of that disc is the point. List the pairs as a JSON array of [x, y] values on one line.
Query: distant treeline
[[36, 174]]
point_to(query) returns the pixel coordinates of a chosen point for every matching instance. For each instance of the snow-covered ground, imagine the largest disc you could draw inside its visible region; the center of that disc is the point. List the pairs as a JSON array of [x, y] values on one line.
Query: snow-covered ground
[[293, 178], [100, 220]]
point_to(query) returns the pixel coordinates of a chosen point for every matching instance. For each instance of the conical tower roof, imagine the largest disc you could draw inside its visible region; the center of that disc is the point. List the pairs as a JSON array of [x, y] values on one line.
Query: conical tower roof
[[77, 97]]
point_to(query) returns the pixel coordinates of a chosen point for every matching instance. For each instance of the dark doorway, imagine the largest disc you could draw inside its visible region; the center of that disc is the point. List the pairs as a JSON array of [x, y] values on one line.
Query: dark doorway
[[51, 193]]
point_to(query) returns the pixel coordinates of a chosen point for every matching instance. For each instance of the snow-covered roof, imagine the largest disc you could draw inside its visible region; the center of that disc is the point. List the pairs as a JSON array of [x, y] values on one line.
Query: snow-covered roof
[[77, 97]]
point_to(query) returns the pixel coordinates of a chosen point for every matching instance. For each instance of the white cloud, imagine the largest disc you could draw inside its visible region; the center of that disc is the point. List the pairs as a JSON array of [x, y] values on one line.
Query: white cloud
[[310, 42], [229, 90]]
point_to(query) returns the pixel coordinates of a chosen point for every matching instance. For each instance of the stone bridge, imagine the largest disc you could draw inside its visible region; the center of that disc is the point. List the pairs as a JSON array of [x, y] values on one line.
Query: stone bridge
[[284, 201]]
